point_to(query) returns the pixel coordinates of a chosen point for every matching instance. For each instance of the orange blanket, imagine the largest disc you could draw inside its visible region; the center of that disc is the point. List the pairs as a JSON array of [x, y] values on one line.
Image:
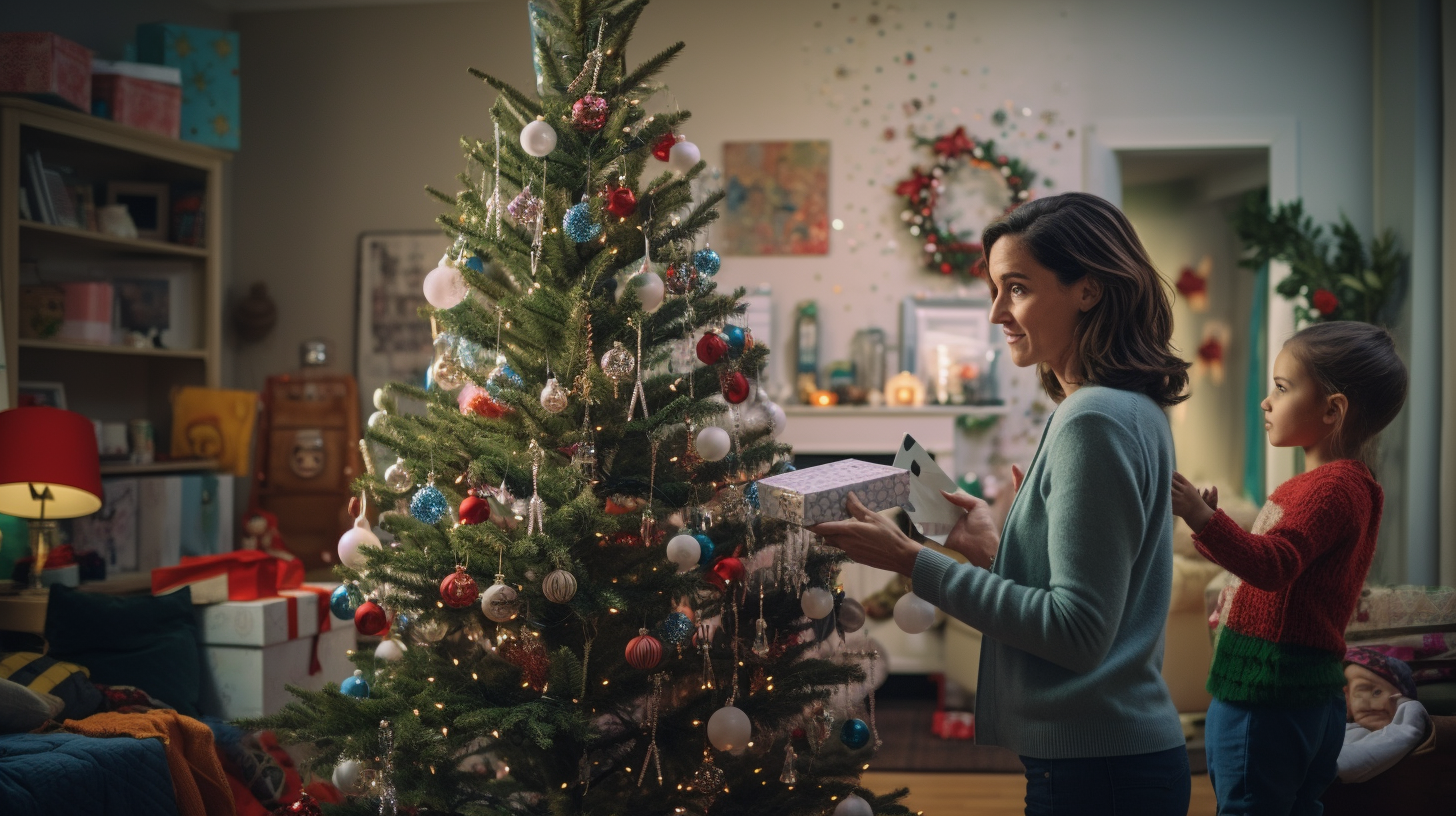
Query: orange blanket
[[197, 776]]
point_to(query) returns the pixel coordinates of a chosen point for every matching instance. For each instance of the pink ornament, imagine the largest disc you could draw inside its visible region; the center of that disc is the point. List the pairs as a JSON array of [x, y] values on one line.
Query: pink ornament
[[644, 652], [589, 114]]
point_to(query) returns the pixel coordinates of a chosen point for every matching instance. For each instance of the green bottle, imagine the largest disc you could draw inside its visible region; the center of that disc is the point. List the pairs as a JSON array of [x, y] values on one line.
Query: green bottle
[[806, 333]]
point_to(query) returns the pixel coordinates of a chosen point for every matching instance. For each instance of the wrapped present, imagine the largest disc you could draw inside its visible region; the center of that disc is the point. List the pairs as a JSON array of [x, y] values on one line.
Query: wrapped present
[[43, 65], [253, 650], [818, 494], [954, 725], [208, 60], [244, 575], [140, 95]]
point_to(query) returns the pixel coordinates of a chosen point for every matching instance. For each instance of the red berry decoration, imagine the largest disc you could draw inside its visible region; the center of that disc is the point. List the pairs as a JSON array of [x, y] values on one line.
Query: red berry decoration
[[527, 653], [663, 146], [459, 590], [589, 113], [622, 202], [644, 652], [711, 348], [735, 388], [370, 619], [474, 510]]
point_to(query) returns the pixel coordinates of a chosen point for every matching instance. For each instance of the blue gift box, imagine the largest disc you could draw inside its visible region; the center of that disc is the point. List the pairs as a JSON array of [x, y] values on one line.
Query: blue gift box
[[208, 60]]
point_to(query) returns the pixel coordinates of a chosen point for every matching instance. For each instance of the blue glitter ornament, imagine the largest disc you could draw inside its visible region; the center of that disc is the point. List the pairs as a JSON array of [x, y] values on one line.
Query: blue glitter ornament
[[476, 264], [579, 225], [707, 545], [345, 600], [429, 505], [501, 377], [355, 686], [707, 261], [676, 628], [737, 339], [752, 494], [854, 734]]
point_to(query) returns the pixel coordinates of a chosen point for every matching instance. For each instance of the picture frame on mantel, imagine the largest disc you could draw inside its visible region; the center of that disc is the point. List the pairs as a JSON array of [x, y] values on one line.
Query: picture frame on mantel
[[948, 344], [392, 343]]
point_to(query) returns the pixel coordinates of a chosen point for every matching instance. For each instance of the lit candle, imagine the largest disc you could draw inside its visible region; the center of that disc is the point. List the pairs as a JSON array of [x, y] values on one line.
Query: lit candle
[[824, 399]]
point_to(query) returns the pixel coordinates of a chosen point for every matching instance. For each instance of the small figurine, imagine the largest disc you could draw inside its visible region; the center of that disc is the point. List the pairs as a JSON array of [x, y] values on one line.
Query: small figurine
[[260, 532]]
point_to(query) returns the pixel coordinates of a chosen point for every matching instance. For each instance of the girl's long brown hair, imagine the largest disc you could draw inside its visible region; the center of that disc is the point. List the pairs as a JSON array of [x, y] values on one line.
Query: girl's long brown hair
[[1125, 341]]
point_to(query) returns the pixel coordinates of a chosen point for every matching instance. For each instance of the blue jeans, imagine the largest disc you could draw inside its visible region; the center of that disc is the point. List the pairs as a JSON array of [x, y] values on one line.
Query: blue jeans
[[1273, 759], [1153, 784]]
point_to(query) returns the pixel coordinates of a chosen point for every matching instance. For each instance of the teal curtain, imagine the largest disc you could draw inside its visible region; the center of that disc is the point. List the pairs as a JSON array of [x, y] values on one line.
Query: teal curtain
[[1254, 388]]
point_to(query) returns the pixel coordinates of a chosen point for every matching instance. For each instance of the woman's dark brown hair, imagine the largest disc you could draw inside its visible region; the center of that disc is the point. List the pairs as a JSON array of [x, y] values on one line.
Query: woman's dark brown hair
[[1357, 360], [1125, 340]]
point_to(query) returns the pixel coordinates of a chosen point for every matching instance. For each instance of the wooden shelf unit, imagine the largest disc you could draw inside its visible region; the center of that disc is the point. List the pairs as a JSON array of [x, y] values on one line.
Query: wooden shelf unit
[[114, 383]]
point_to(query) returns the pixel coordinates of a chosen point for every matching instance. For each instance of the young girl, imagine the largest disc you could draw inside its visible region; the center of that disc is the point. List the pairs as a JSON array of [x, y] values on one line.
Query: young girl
[[1277, 721]]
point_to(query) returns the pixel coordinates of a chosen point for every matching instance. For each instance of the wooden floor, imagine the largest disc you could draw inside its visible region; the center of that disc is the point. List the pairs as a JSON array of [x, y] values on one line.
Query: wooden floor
[[983, 794]]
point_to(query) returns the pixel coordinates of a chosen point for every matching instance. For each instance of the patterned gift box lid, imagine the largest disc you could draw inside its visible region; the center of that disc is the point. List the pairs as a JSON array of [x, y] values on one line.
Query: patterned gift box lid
[[817, 494]]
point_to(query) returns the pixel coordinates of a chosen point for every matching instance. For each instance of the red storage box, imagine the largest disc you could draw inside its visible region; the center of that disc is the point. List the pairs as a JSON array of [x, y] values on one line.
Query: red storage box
[[41, 64], [140, 103]]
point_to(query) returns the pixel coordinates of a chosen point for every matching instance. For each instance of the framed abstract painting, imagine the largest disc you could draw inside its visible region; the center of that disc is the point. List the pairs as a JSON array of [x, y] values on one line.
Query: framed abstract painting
[[777, 198]]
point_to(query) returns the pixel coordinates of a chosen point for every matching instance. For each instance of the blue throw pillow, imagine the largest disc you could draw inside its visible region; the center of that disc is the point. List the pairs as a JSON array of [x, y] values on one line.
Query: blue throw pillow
[[136, 640]]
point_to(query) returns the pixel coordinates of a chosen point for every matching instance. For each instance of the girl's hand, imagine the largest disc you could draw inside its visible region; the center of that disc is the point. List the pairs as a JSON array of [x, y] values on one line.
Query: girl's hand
[[870, 539], [975, 535], [1191, 505]]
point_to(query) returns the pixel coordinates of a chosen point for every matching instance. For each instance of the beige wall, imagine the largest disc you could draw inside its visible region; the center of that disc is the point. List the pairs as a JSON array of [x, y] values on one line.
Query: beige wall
[[351, 111]]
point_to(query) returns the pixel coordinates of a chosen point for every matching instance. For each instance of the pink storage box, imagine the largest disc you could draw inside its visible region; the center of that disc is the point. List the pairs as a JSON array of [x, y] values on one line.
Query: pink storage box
[[88, 313], [42, 64], [140, 103]]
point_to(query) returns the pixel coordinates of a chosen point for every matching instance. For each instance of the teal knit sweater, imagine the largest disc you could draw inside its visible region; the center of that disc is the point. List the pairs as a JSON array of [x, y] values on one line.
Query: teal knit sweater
[[1073, 614]]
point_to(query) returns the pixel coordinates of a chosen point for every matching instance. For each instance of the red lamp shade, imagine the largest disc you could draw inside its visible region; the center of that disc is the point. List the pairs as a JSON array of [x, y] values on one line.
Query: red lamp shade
[[48, 448]]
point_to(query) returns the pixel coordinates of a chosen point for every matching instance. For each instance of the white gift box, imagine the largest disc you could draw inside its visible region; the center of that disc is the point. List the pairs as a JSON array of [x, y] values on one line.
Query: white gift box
[[818, 494], [251, 650]]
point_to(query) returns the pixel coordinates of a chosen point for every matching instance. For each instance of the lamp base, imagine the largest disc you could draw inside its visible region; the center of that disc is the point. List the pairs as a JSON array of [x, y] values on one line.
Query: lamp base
[[43, 536]]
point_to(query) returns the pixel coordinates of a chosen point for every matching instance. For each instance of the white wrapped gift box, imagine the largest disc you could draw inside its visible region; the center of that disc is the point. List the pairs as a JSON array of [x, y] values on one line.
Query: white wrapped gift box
[[251, 650], [818, 494]]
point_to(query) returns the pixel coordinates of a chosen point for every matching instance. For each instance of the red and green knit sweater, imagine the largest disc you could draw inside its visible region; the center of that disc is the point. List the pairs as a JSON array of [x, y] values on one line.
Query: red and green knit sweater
[[1300, 571]]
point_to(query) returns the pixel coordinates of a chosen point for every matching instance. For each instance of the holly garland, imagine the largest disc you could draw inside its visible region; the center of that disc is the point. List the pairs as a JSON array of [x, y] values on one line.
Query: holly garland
[[944, 251], [1350, 284]]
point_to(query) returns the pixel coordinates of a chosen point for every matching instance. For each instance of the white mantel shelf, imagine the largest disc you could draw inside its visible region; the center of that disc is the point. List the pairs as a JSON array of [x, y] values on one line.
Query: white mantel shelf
[[865, 429]]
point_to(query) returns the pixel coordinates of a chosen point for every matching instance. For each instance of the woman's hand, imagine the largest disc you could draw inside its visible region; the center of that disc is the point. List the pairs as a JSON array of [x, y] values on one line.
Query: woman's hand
[[870, 539], [1192, 505], [974, 535]]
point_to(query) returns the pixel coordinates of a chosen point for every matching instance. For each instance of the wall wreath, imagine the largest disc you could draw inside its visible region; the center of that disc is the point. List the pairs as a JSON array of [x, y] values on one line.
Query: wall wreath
[[968, 185]]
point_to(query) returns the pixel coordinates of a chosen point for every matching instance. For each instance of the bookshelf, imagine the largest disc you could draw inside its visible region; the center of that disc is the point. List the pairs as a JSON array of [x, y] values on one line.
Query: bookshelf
[[108, 382]]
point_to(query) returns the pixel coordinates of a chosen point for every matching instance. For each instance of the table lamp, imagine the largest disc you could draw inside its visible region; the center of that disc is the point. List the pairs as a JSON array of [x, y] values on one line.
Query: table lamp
[[49, 469]]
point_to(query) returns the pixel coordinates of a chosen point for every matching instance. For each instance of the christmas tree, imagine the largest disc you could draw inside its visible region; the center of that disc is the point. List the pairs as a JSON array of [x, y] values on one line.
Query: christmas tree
[[582, 609]]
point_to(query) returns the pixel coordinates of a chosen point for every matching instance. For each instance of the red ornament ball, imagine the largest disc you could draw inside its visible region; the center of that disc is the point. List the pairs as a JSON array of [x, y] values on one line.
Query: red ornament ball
[[474, 510], [663, 146], [1325, 301], [735, 388], [305, 806], [621, 202], [711, 348], [458, 590], [589, 113], [730, 569], [370, 618], [644, 652], [480, 402]]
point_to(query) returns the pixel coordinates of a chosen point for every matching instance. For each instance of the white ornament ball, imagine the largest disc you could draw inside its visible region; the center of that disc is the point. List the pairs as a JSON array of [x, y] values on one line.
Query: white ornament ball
[[389, 650], [353, 542], [538, 138], [729, 729], [914, 614], [817, 602], [347, 776], [684, 550], [683, 157], [778, 421], [852, 805], [381, 399], [445, 287], [559, 586], [713, 443], [377, 418], [650, 289], [500, 602]]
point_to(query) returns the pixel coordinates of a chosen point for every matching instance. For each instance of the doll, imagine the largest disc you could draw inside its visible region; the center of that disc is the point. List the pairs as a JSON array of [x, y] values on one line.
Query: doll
[[1386, 721]]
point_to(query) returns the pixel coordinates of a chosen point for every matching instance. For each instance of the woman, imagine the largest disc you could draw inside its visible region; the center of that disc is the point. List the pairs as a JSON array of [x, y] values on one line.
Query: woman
[[1073, 598]]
